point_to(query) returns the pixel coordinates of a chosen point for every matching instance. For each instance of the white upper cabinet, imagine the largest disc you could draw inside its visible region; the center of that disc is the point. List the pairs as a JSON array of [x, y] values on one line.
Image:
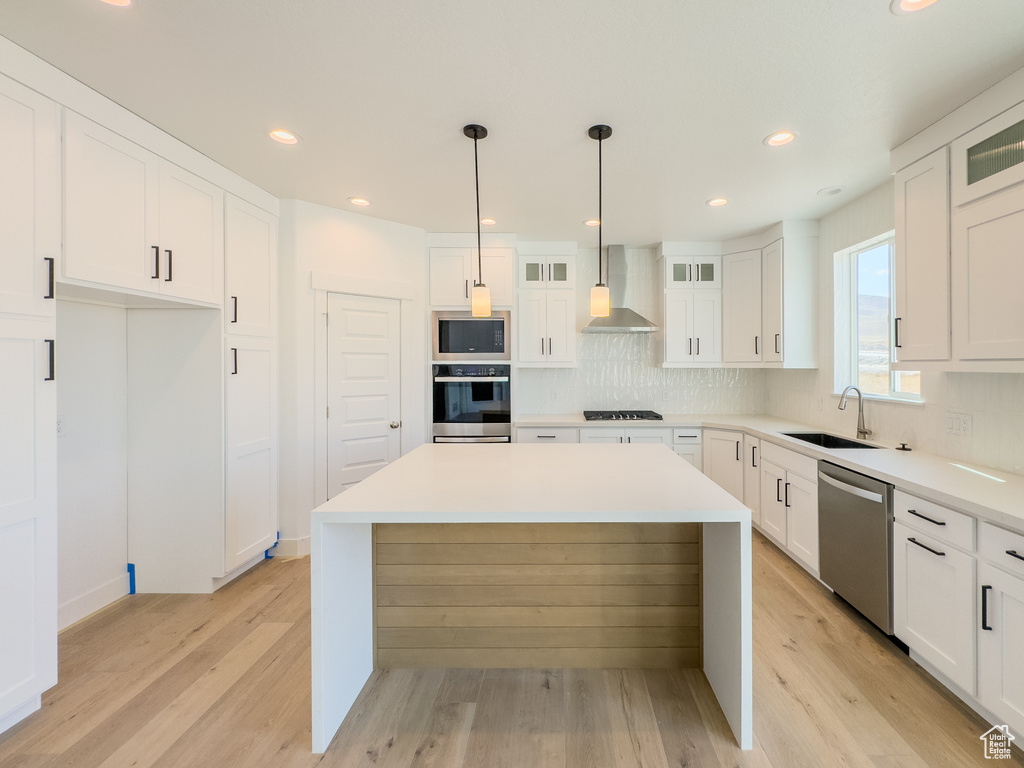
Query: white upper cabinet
[[988, 158], [453, 271], [689, 273], [111, 211], [691, 327], [547, 272], [250, 269], [741, 299], [136, 221], [770, 343], [921, 260], [546, 329], [29, 200], [987, 275]]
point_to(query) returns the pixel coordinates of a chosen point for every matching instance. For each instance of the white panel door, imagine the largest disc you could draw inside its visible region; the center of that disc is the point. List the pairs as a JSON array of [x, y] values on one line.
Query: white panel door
[[191, 235], [531, 337], [988, 272], [363, 369], [723, 452], [678, 327], [602, 435], [933, 602], [111, 210], [250, 269], [800, 498], [921, 259], [561, 326], [29, 200], [1000, 661], [250, 524], [741, 307], [773, 510], [28, 513], [752, 476], [499, 273], [450, 277], [771, 341], [707, 327]]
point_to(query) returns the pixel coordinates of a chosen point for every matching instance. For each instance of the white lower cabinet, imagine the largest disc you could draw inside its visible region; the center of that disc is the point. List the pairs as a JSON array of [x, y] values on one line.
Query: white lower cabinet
[[602, 435], [1000, 640], [547, 435], [789, 502], [636, 435], [752, 477], [687, 443], [28, 516], [723, 460], [933, 602]]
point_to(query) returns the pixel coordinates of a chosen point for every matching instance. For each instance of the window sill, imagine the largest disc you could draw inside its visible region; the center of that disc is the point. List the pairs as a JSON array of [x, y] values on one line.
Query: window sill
[[882, 399]]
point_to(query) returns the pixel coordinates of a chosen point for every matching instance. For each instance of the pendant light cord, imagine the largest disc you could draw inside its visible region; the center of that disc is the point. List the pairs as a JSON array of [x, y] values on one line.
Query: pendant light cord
[[476, 171], [600, 214]]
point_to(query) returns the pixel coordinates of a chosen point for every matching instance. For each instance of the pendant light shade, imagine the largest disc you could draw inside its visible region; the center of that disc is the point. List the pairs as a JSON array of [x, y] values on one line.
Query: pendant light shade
[[480, 301], [600, 297]]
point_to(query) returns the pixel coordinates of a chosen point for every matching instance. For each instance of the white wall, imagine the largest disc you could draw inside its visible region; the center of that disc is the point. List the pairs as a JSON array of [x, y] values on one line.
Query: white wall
[[362, 251], [92, 458], [618, 370], [994, 401]]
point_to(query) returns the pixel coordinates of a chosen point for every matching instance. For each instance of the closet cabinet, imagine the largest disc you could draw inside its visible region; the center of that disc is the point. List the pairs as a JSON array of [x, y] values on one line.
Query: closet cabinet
[[135, 221], [250, 269]]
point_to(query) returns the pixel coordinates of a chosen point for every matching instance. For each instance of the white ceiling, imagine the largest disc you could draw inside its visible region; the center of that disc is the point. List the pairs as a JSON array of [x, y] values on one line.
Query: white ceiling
[[379, 90]]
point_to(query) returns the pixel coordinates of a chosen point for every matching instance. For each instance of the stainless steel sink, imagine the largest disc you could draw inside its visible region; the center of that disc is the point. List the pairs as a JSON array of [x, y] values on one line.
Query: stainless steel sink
[[825, 440]]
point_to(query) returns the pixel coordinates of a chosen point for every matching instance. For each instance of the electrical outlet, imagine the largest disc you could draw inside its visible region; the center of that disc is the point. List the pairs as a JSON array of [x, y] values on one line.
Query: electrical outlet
[[62, 427], [958, 423]]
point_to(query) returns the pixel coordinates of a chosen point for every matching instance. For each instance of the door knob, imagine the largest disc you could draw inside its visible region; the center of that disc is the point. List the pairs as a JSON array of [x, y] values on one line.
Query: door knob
[[396, 424]]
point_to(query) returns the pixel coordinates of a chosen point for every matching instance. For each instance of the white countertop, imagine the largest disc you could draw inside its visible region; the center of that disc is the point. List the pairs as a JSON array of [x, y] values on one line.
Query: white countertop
[[998, 498], [534, 483]]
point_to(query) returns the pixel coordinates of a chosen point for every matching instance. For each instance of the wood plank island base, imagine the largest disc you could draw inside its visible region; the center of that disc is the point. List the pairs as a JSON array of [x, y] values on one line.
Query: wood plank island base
[[568, 535]]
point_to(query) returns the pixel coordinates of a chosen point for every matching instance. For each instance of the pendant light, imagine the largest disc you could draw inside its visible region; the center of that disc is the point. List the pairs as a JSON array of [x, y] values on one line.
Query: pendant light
[[481, 296], [600, 298]]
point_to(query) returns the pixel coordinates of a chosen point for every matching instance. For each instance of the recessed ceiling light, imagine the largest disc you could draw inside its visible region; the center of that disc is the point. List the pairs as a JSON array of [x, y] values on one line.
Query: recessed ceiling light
[[780, 138], [120, 3], [716, 202], [359, 201], [283, 136], [488, 222], [830, 191], [903, 7], [592, 222]]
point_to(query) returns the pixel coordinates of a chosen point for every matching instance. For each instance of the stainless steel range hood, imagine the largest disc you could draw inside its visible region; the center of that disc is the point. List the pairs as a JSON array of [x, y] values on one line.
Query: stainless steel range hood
[[621, 319]]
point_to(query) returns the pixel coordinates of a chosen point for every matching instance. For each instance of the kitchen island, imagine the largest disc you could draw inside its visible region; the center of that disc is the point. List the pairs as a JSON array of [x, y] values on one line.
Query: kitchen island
[[529, 485]]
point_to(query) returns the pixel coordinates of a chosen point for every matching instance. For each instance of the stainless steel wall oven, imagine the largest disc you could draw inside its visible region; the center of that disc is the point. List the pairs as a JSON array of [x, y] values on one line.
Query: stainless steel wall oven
[[472, 403]]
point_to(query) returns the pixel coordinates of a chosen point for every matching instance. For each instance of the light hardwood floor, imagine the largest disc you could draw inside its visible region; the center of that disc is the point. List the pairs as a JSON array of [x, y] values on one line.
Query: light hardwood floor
[[223, 680]]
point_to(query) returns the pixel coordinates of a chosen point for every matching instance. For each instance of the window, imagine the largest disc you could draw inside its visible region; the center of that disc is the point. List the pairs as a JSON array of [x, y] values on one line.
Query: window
[[863, 323]]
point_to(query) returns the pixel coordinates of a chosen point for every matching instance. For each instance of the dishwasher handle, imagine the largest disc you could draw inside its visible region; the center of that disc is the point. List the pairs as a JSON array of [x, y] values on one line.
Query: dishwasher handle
[[877, 498]]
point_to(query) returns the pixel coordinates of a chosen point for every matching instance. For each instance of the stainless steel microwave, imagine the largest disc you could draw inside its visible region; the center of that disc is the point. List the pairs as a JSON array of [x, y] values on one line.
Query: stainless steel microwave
[[460, 337]]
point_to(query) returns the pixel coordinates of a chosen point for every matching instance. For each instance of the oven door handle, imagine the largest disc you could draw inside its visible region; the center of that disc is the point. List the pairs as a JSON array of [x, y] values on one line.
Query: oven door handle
[[455, 379], [475, 439]]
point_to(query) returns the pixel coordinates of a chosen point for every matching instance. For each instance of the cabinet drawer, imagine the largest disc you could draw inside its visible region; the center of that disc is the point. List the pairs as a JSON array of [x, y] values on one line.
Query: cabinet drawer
[[802, 465], [686, 435], [995, 545], [943, 523], [548, 435]]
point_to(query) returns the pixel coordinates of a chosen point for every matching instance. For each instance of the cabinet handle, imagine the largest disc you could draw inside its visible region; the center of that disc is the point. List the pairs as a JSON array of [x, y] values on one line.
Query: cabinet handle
[[170, 266], [737, 450], [691, 346], [234, 355], [234, 314], [756, 352], [915, 513], [698, 272], [1014, 553], [698, 346], [896, 343], [156, 262], [778, 489], [542, 345], [50, 343], [467, 289], [549, 273], [984, 607], [547, 437], [778, 338], [753, 456], [925, 546], [549, 345], [49, 294], [787, 494]]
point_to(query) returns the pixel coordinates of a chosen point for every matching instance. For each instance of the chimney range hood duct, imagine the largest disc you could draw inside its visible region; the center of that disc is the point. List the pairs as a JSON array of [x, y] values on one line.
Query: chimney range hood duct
[[621, 319]]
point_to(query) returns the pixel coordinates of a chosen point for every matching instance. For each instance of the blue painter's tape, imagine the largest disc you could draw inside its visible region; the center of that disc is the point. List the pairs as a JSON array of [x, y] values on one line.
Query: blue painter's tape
[[131, 578]]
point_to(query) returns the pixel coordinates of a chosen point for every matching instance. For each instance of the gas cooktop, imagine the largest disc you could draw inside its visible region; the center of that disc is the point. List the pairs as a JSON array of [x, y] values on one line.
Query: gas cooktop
[[621, 415]]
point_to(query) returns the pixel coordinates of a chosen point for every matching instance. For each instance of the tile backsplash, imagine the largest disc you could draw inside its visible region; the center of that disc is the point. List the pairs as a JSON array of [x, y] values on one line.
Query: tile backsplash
[[618, 370]]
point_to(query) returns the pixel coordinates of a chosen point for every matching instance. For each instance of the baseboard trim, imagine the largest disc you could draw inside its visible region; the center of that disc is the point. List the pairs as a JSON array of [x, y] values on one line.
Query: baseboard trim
[[20, 712], [232, 575], [299, 547], [79, 607]]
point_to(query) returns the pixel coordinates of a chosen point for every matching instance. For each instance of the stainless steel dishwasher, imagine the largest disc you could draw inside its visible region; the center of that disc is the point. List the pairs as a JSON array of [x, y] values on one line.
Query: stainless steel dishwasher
[[855, 540]]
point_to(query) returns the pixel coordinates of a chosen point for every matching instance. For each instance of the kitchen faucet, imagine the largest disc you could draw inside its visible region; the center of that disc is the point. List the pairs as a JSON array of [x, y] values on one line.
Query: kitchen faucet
[[862, 431]]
